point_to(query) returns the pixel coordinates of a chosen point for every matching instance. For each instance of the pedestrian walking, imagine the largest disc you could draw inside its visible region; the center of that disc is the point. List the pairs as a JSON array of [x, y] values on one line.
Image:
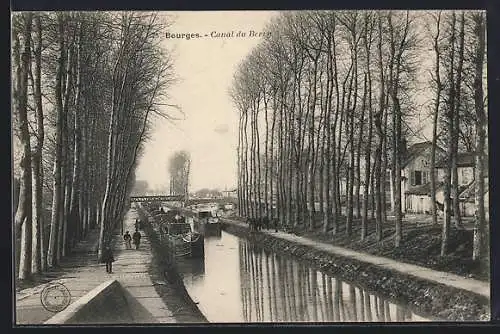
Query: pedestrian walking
[[128, 239], [108, 258], [265, 222], [137, 238]]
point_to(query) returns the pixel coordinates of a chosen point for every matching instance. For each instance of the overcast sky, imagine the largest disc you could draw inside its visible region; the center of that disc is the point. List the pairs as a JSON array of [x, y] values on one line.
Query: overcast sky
[[205, 66]]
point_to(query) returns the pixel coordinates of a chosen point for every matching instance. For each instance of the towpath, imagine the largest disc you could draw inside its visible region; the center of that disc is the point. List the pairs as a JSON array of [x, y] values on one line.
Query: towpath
[[449, 279], [81, 273]]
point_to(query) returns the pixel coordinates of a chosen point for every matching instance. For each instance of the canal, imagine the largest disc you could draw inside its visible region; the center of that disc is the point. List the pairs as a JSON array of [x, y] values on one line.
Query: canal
[[239, 282]]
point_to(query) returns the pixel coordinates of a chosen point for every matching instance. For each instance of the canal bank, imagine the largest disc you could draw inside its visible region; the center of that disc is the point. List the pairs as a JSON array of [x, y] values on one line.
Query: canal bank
[[425, 297], [169, 284]]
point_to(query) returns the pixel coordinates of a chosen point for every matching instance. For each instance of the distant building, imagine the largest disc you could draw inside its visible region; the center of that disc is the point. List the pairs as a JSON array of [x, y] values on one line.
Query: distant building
[[468, 198], [416, 174], [465, 169], [233, 193], [416, 183]]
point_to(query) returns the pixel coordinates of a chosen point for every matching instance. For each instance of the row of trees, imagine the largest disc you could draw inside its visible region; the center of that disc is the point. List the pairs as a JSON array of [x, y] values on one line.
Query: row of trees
[[84, 88], [329, 99]]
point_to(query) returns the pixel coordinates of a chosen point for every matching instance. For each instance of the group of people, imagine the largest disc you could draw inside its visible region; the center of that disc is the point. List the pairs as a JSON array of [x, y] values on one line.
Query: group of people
[[257, 224], [107, 256], [128, 239]]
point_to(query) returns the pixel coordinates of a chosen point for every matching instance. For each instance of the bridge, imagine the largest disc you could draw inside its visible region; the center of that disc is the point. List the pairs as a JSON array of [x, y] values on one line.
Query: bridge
[[221, 200], [158, 198], [181, 198]]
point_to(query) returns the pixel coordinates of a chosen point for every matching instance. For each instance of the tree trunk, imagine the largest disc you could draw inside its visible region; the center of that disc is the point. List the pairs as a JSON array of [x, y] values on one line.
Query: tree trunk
[[437, 102], [367, 181], [23, 217], [39, 256], [480, 247], [456, 125], [379, 196], [450, 156], [76, 181]]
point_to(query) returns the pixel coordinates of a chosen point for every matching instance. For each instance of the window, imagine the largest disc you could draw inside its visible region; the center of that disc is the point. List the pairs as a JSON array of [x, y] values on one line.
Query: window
[[465, 176], [417, 178], [425, 177]]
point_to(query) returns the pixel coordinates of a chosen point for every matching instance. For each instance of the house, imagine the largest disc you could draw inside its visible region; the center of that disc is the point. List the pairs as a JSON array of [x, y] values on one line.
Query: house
[[469, 201], [416, 184], [465, 168], [466, 184], [416, 173]]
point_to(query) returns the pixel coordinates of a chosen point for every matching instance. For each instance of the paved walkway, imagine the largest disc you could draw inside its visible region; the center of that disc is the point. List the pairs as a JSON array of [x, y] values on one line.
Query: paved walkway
[[456, 281], [81, 273]]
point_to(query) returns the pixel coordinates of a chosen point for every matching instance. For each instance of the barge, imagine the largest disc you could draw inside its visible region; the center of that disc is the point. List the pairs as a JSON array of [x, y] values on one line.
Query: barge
[[179, 235], [205, 222]]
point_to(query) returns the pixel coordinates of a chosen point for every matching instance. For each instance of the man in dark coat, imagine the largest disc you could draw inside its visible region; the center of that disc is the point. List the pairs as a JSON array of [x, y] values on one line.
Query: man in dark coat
[[127, 238], [108, 258], [265, 222], [137, 238]]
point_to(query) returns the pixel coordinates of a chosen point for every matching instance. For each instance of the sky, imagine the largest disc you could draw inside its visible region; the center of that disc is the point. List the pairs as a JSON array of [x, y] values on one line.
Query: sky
[[205, 67]]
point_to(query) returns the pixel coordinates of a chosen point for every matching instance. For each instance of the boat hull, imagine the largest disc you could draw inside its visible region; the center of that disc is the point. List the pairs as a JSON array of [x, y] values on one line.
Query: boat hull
[[188, 245]]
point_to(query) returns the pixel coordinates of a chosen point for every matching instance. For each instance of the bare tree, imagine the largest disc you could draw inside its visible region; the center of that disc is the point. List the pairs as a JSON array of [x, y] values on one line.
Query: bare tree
[[480, 248], [39, 257], [437, 102], [22, 58], [449, 153]]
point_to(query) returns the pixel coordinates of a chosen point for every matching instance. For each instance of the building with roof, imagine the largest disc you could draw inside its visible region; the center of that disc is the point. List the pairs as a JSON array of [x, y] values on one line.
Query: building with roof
[[416, 184], [465, 167], [466, 185], [416, 173]]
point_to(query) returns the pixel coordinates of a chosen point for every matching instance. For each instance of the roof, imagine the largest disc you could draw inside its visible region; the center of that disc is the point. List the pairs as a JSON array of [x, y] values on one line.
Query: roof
[[466, 191], [469, 192], [424, 189], [464, 159], [416, 150]]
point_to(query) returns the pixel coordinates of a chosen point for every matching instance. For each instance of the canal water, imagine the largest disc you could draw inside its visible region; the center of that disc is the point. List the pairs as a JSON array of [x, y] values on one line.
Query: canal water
[[239, 282]]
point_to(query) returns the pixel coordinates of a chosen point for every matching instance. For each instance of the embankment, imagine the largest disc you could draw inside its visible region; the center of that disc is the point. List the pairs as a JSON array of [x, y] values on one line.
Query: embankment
[[429, 299], [162, 269], [108, 303]]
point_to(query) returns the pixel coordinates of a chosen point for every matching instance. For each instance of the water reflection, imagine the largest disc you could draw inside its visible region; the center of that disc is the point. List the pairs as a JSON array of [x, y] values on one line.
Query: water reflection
[[277, 289], [273, 288]]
